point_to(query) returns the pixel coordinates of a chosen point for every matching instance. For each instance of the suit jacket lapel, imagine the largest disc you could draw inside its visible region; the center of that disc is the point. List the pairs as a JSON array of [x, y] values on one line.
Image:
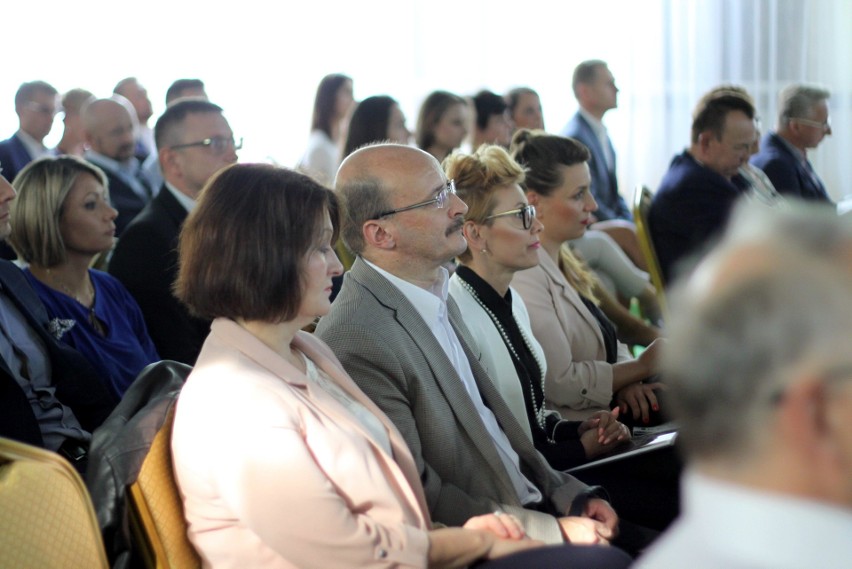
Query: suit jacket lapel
[[446, 376], [558, 281]]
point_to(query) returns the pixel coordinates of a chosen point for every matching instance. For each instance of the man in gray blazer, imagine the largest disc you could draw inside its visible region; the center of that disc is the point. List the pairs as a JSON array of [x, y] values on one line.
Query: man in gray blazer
[[403, 341]]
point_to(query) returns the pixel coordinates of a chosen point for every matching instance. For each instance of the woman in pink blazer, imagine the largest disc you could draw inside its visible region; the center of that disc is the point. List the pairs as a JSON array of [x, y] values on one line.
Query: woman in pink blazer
[[587, 367], [281, 460]]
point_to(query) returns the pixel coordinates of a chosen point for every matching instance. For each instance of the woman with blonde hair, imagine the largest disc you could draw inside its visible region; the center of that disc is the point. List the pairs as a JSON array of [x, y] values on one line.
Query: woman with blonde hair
[[61, 221], [502, 232]]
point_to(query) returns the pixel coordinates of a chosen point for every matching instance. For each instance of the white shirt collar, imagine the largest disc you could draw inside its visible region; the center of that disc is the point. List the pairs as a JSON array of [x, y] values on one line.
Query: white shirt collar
[[187, 202], [432, 303]]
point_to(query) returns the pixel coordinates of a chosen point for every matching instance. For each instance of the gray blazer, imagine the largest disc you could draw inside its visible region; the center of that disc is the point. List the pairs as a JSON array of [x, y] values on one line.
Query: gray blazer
[[391, 353]]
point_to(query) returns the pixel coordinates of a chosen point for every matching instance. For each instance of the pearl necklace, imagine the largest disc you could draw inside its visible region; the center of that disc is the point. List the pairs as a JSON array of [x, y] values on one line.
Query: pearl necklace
[[539, 408]]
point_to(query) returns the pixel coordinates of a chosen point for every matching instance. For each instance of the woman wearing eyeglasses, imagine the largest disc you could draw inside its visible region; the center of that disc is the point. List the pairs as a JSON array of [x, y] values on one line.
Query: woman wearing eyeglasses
[[588, 368], [503, 232], [61, 220]]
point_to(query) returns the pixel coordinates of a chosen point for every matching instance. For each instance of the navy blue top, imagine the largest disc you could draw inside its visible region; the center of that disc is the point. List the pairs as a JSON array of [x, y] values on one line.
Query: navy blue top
[[689, 210], [789, 173], [118, 356]]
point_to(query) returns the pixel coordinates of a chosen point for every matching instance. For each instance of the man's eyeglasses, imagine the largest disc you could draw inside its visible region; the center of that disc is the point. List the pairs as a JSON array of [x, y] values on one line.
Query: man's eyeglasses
[[825, 125], [440, 200], [526, 213], [218, 144]]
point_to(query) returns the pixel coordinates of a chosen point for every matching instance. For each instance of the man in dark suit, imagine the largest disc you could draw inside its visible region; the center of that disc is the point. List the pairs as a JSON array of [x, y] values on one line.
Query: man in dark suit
[[194, 141], [35, 105], [109, 134], [802, 124], [695, 197], [595, 90], [49, 395], [403, 341]]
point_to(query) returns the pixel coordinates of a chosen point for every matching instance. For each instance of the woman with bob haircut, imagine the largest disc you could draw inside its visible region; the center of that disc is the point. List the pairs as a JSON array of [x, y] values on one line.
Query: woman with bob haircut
[[332, 106], [442, 124], [281, 460], [376, 119], [61, 221], [587, 367], [502, 232]]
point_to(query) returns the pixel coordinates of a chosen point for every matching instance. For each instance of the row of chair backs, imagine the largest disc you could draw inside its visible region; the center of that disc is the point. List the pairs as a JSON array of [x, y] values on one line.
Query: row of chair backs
[[641, 206], [47, 518], [46, 515]]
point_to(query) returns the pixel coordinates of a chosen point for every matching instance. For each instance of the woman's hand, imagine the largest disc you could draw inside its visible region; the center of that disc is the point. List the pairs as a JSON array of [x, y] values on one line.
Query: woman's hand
[[501, 524], [640, 399], [650, 358], [602, 432], [583, 531]]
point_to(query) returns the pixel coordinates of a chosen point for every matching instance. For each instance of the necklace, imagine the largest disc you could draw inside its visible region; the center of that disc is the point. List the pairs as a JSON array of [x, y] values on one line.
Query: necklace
[[538, 406], [89, 295]]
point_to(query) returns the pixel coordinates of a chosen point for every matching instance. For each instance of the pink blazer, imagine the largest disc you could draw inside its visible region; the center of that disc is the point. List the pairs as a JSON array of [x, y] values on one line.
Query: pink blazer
[[578, 380], [275, 473]]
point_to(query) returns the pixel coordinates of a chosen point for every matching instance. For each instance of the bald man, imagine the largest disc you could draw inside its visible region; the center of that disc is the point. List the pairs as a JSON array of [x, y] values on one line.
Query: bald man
[[110, 137], [403, 341], [760, 381]]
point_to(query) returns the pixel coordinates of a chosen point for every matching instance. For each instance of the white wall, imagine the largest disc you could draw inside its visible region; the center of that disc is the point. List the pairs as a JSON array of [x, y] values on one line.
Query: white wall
[[262, 60]]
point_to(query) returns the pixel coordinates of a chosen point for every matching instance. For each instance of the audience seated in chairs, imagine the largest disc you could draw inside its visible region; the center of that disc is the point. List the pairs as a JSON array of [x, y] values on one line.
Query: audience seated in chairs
[[304, 470], [61, 220]]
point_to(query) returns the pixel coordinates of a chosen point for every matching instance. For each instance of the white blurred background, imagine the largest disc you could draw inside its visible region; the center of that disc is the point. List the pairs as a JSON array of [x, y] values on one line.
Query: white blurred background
[[262, 60]]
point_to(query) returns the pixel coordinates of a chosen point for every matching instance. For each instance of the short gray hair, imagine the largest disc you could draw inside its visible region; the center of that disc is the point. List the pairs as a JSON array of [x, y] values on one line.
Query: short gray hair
[[361, 200], [798, 101], [736, 343]]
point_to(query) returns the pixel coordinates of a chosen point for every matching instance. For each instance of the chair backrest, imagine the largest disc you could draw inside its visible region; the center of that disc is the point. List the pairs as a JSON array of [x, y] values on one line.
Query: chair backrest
[[641, 205], [46, 515], [156, 508]]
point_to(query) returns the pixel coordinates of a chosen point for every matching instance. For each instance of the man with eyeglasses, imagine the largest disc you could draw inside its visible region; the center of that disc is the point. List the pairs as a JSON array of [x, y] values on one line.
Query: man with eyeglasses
[[802, 124], [35, 104], [759, 377], [194, 141], [110, 136], [403, 341]]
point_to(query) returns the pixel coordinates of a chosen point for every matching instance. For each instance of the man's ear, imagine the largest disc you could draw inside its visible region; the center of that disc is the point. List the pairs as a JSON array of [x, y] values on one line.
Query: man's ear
[[532, 197], [704, 140], [377, 235], [802, 408]]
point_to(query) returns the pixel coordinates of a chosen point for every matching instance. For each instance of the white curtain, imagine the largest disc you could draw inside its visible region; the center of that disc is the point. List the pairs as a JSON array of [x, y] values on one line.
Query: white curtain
[[763, 45]]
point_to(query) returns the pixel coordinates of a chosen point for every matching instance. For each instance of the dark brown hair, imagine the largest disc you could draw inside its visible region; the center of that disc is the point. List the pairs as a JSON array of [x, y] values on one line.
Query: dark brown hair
[[242, 248], [541, 154], [714, 107]]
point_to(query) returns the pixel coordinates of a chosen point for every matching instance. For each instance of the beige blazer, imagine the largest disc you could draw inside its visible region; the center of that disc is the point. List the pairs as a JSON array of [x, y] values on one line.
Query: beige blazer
[[276, 473], [578, 380], [391, 353]]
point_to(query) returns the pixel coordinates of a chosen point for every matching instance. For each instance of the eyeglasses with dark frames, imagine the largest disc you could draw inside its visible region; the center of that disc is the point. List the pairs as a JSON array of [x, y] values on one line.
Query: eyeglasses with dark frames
[[526, 214], [218, 144], [439, 200]]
